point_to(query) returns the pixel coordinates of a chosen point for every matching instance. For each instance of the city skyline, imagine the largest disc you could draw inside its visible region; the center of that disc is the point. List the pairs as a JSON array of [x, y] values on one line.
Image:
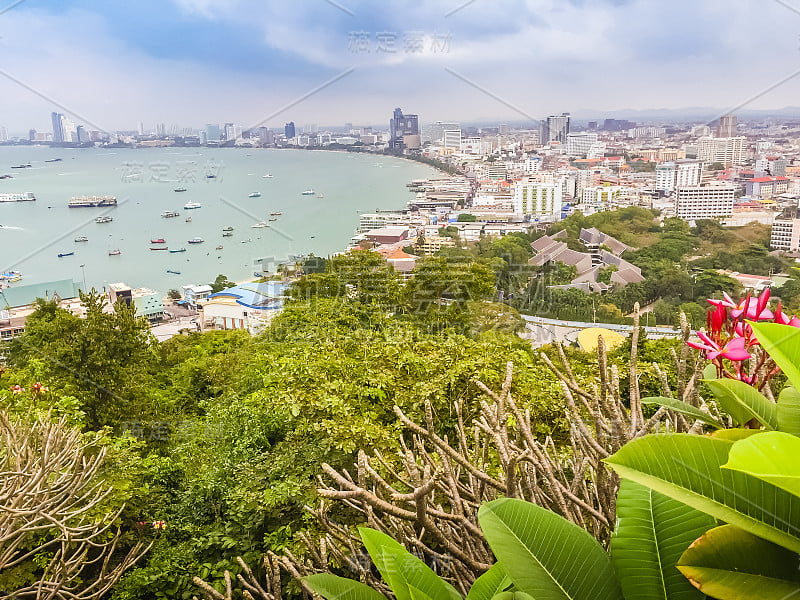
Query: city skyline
[[192, 61]]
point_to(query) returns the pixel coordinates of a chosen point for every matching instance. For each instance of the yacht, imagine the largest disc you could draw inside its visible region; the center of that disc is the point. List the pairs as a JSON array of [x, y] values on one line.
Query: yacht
[[178, 250], [82, 238], [191, 205], [254, 195], [168, 214], [196, 240], [104, 219], [260, 225], [308, 192], [114, 252]]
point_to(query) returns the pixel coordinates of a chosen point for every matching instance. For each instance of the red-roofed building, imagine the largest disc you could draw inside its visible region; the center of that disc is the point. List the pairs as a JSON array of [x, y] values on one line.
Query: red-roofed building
[[766, 187]]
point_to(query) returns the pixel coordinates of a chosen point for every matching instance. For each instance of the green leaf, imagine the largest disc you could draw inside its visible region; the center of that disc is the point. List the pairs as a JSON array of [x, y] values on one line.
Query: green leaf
[[709, 372], [743, 402], [513, 596], [333, 587], [789, 410], [689, 469], [730, 564], [653, 530], [683, 408], [491, 583], [734, 435], [407, 575], [545, 555], [782, 343], [772, 456]]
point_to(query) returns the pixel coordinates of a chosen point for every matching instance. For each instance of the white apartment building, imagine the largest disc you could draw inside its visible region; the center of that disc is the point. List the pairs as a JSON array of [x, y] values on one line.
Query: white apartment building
[[785, 234], [647, 132], [706, 202], [680, 173], [728, 151], [451, 137], [538, 199], [601, 197], [579, 144], [532, 165]]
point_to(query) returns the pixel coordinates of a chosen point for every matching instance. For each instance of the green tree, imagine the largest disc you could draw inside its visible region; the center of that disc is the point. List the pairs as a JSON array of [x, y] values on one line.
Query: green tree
[[221, 283]]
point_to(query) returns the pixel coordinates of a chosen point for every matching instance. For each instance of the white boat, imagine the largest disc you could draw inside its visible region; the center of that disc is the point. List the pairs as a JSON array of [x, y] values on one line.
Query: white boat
[[254, 195], [82, 238], [104, 219], [308, 193], [114, 252], [168, 214], [260, 225], [267, 176], [192, 205], [18, 197], [196, 240]]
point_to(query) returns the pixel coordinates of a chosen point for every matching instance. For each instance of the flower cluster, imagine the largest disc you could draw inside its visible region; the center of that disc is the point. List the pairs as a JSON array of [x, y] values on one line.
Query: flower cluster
[[158, 525], [36, 388], [729, 337]]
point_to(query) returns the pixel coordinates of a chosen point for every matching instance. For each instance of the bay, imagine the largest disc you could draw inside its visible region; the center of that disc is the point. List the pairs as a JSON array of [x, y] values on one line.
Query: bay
[[143, 180]]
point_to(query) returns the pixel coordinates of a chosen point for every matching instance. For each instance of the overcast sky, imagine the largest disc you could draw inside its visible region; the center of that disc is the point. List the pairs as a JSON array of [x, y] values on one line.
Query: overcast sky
[[190, 62]]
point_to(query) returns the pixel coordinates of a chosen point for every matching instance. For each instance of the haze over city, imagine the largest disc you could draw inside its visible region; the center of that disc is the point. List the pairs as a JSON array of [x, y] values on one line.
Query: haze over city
[[189, 62]]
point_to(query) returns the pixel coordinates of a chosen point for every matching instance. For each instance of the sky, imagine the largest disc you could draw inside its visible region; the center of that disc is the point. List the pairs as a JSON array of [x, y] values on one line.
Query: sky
[[112, 64]]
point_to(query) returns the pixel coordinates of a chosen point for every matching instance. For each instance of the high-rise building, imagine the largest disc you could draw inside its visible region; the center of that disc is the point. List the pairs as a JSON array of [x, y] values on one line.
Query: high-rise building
[[401, 126], [213, 133], [451, 136], [785, 234], [58, 131], [706, 202], [617, 125], [141, 128], [538, 199], [727, 126], [580, 143], [728, 151], [555, 128], [679, 173], [289, 130], [31, 135]]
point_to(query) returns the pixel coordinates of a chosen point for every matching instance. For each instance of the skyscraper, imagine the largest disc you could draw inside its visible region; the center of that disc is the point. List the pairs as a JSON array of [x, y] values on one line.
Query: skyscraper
[[212, 133], [58, 131], [727, 126], [400, 126], [289, 130], [555, 128]]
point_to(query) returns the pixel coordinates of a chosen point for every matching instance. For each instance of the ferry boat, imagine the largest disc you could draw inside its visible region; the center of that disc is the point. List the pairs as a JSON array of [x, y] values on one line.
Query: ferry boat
[[178, 250], [307, 193], [158, 241], [192, 205], [196, 240], [82, 238], [63, 254], [260, 225], [179, 189], [114, 252], [92, 201], [168, 214], [104, 219], [19, 197], [10, 276], [254, 195]]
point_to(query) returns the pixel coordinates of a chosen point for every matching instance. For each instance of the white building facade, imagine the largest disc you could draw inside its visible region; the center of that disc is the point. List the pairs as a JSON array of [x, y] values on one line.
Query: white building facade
[[707, 202], [538, 199]]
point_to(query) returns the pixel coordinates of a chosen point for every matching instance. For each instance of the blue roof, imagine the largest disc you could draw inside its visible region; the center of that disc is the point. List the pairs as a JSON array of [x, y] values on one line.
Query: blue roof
[[258, 296]]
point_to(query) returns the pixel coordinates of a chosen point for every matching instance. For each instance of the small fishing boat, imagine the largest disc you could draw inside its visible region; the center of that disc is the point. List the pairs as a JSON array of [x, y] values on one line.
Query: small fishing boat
[[168, 214], [179, 189], [267, 176], [104, 219], [218, 248], [25, 166], [196, 240], [116, 252], [227, 234], [254, 195], [158, 248], [192, 205], [177, 250], [53, 160], [308, 192], [320, 195], [273, 219], [173, 272], [158, 241], [211, 176], [273, 214], [260, 225], [63, 254], [82, 238], [228, 228]]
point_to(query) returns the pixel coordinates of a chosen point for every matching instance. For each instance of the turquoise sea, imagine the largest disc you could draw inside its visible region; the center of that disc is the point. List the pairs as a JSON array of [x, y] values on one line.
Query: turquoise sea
[[143, 180]]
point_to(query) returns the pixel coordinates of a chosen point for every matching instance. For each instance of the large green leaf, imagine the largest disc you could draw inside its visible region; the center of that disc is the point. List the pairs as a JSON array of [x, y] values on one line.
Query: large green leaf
[[773, 457], [743, 402], [683, 408], [730, 564], [545, 555], [789, 410], [406, 574], [333, 587], [491, 583], [782, 343], [688, 468], [653, 530]]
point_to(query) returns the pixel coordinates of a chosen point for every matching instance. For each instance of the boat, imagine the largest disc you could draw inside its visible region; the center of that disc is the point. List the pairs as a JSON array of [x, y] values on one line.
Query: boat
[[168, 214], [18, 197], [196, 240], [179, 189], [26, 166], [104, 219], [159, 248], [53, 160], [259, 225], [254, 195], [320, 195], [173, 272], [218, 248], [192, 205], [307, 193], [273, 219], [116, 252], [275, 214], [178, 250], [188, 219], [10, 276], [267, 176], [227, 234], [6, 176], [92, 201], [228, 228], [158, 241], [82, 238], [63, 254]]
